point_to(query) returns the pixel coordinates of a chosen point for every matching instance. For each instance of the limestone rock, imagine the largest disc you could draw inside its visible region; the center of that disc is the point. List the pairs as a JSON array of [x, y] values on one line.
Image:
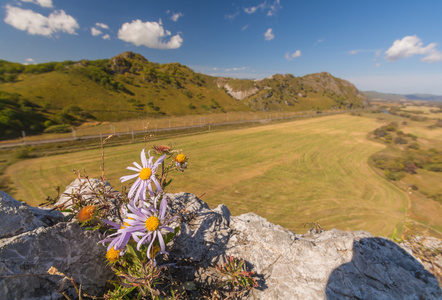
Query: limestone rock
[[30, 249], [92, 191], [17, 217], [85, 189], [318, 265]]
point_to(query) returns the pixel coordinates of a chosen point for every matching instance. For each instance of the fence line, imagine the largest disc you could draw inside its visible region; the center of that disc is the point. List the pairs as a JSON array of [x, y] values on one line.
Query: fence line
[[201, 123]]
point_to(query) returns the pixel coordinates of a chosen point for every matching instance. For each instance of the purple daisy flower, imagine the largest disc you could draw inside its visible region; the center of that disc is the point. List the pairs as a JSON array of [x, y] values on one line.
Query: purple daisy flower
[[145, 174], [147, 224], [118, 240]]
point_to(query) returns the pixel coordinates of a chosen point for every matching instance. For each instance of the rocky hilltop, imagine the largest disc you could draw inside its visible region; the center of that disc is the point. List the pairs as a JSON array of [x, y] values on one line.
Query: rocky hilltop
[[316, 265], [56, 96]]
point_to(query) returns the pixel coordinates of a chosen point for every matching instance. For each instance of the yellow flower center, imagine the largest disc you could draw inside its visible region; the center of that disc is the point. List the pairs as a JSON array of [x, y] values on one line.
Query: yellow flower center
[[152, 223], [145, 173], [113, 255], [180, 158]]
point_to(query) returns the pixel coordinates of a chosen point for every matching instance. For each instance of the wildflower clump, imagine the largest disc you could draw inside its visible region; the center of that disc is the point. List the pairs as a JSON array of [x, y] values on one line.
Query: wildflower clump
[[134, 244], [237, 279]]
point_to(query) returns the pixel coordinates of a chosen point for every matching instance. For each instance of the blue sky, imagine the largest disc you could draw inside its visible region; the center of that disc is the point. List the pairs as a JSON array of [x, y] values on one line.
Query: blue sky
[[388, 46]]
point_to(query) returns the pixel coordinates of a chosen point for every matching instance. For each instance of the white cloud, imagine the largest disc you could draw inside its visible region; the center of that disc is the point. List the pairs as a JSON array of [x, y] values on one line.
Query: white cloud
[[102, 25], [215, 69], [433, 57], [319, 41], [42, 3], [176, 16], [271, 8], [35, 23], [245, 27], [293, 55], [377, 65], [235, 69], [232, 16], [251, 10], [29, 61], [268, 35], [412, 45], [353, 52], [149, 34], [95, 31]]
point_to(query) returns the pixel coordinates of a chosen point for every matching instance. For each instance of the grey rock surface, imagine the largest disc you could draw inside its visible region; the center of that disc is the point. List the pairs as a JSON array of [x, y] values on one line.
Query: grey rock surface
[[27, 254], [317, 265], [17, 217], [91, 191], [84, 189]]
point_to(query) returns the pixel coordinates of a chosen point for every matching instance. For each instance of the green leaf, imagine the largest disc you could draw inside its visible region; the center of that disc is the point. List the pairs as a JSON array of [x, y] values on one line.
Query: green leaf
[[168, 237]]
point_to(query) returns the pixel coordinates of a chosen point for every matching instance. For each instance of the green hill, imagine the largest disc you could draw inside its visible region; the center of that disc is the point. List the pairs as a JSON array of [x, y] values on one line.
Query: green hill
[[372, 95], [65, 94]]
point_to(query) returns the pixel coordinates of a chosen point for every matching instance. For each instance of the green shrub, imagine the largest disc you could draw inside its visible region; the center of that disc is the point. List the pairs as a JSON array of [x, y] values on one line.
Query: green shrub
[[400, 140], [414, 146], [391, 127], [58, 129], [437, 197], [393, 175], [434, 167], [24, 152]]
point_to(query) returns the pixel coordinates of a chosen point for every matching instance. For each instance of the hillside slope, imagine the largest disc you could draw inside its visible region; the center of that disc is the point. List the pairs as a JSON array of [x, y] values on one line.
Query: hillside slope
[[372, 95], [129, 86]]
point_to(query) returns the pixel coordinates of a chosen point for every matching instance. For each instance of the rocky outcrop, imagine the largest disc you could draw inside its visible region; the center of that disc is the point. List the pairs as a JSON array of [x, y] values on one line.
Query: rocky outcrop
[[32, 241], [240, 94], [17, 217], [124, 62], [316, 265]]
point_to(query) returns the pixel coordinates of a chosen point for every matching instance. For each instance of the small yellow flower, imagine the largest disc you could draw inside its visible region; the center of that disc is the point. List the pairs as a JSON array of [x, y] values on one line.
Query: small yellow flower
[[113, 255], [152, 223], [181, 159], [86, 213]]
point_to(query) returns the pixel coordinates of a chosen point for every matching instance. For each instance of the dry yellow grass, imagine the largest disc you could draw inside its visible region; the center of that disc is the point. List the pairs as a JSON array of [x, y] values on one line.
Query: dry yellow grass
[[320, 167], [311, 170]]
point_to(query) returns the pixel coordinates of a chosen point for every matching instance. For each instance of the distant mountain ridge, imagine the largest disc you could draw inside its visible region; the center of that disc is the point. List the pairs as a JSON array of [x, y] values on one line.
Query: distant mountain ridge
[[129, 86], [372, 95]]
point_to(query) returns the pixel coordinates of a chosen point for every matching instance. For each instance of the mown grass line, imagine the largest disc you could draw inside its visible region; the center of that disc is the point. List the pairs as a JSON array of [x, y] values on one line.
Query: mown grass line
[[312, 170]]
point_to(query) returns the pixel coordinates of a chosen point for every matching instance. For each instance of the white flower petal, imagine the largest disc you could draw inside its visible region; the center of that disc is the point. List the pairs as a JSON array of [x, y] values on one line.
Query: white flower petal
[[128, 177], [133, 169], [137, 165], [143, 159]]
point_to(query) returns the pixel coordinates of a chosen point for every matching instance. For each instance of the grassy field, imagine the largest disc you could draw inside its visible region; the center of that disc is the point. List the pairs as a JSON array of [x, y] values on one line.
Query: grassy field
[[312, 170], [426, 111]]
